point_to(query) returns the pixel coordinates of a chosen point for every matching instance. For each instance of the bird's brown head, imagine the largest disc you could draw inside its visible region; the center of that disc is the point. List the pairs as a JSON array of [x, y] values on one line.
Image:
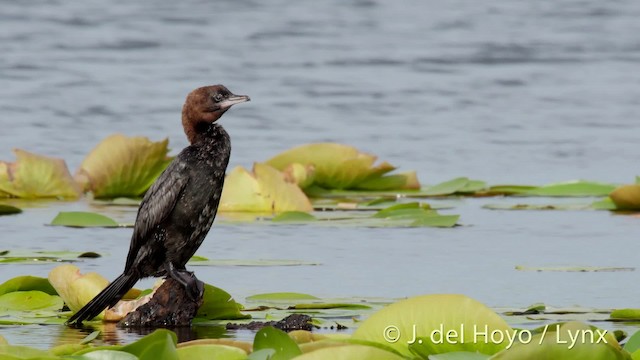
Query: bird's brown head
[[204, 106]]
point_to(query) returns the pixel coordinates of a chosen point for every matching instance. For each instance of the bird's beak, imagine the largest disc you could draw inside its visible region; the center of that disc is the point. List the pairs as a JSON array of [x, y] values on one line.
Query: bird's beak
[[232, 100]]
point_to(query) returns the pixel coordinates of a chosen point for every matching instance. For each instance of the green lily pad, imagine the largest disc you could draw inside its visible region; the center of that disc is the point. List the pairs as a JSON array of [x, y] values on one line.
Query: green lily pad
[[26, 283], [579, 188], [626, 314], [538, 207], [272, 338], [447, 188], [315, 306], [9, 210], [219, 305], [10, 352], [459, 355], [633, 343], [558, 341], [281, 296], [436, 220], [82, 219], [350, 352], [29, 301], [41, 257], [206, 352], [248, 262], [294, 216], [122, 166], [412, 326], [105, 354], [160, 344]]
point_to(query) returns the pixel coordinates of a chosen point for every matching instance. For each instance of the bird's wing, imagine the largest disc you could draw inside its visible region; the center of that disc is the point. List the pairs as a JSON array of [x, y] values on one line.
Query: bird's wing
[[156, 205]]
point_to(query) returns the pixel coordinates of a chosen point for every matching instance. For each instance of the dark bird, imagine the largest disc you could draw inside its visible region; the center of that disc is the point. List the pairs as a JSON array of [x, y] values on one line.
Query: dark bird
[[178, 210]]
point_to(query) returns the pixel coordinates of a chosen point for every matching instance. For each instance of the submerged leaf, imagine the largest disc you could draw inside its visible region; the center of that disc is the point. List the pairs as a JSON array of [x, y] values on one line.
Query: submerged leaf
[[626, 197], [36, 176], [122, 166], [264, 190], [82, 219]]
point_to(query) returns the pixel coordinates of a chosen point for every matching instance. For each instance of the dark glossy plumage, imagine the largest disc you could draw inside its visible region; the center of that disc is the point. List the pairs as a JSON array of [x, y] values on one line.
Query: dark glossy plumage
[[178, 210]]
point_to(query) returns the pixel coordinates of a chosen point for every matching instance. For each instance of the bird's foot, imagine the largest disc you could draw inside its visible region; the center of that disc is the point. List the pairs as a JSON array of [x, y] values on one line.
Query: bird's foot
[[193, 287]]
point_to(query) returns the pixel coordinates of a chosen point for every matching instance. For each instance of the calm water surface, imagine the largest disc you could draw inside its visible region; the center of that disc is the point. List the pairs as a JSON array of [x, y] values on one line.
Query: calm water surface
[[501, 91]]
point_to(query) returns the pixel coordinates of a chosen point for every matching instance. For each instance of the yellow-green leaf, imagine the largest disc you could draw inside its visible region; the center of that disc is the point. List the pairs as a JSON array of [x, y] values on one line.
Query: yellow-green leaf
[[36, 176], [122, 166], [264, 190]]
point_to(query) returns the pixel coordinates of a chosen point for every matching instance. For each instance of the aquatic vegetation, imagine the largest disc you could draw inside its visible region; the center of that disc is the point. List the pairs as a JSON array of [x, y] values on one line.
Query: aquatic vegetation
[[439, 326], [82, 219], [626, 197], [36, 176], [338, 166], [9, 210], [265, 190], [122, 166]]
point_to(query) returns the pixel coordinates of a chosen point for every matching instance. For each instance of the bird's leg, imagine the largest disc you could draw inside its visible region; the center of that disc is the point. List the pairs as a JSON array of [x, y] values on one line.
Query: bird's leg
[[193, 286]]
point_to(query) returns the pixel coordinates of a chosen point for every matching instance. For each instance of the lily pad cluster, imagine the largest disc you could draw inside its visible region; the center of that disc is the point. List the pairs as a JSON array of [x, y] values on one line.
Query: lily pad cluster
[[439, 326], [118, 166]]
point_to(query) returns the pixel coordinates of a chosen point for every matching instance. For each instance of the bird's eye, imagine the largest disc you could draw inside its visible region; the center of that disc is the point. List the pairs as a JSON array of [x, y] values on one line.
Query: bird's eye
[[217, 98]]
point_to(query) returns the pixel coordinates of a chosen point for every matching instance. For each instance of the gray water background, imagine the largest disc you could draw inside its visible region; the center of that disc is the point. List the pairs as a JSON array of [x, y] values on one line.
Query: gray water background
[[503, 91]]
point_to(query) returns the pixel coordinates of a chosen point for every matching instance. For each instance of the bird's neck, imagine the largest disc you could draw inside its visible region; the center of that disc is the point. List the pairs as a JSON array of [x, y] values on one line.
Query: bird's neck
[[203, 131]]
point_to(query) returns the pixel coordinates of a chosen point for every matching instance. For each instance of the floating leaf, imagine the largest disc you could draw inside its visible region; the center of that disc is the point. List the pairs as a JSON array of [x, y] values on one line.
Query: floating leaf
[[218, 304], [280, 296], [264, 190], [75, 289], [350, 352], [160, 344], [626, 197], [272, 338], [246, 262], [36, 176], [301, 175], [396, 324], [9, 210], [206, 352], [408, 180], [625, 314], [122, 166], [29, 301], [27, 283], [38, 257], [105, 354], [574, 268], [572, 188], [82, 219], [538, 207], [633, 344], [436, 220], [604, 204], [571, 340], [315, 306], [11, 352], [294, 216], [340, 166], [447, 188], [460, 355]]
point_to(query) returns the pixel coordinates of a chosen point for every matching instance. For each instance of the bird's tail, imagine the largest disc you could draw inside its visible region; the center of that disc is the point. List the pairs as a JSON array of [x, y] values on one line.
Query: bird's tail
[[106, 298]]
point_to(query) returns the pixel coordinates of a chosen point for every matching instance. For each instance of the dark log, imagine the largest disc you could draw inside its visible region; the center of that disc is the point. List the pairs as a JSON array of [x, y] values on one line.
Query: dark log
[[170, 306]]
